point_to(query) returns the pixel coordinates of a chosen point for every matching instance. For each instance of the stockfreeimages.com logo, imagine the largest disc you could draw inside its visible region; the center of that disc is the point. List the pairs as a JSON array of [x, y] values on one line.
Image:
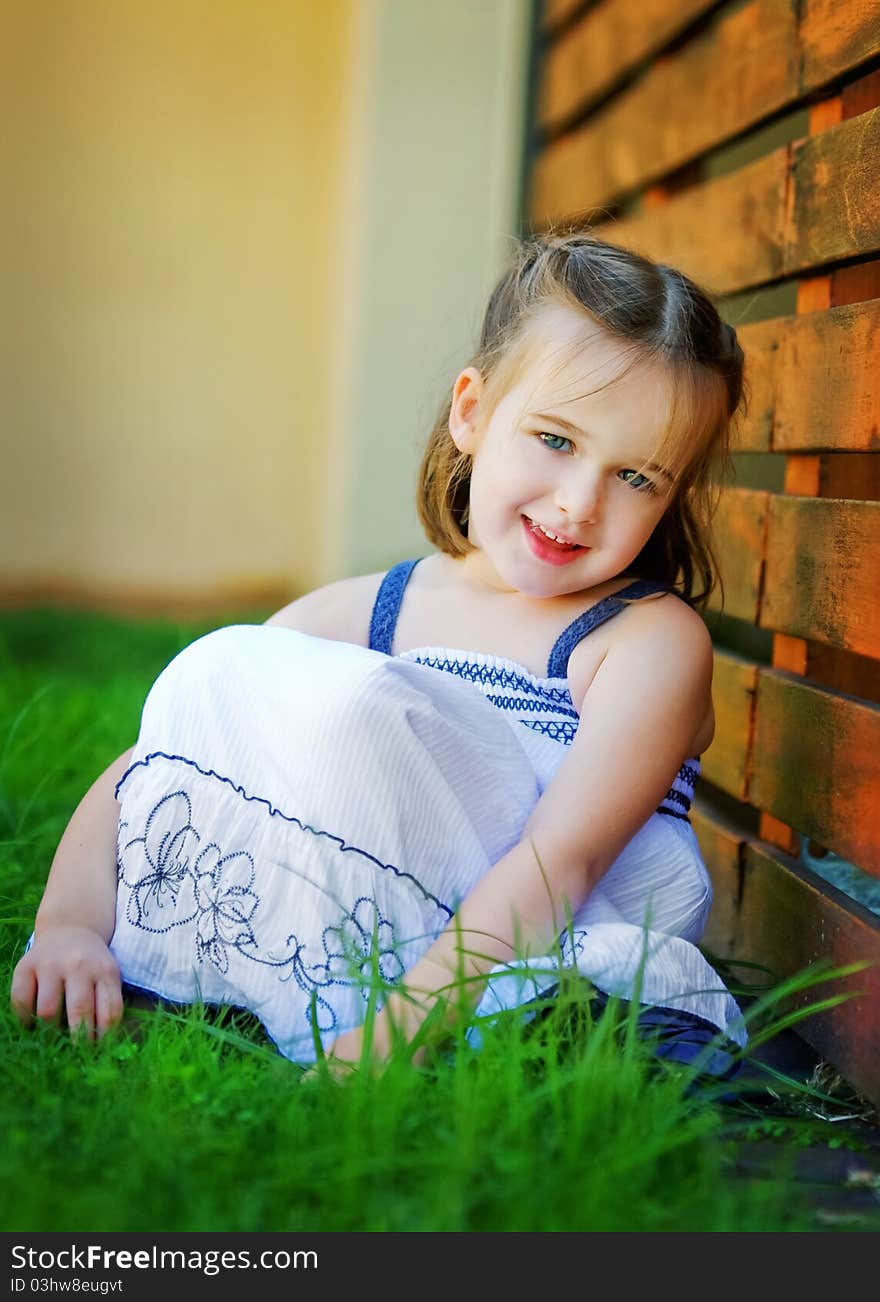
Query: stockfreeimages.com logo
[[208, 1262]]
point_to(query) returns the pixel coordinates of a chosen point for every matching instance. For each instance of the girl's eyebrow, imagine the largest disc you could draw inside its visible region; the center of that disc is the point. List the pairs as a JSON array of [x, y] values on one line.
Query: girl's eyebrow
[[573, 429]]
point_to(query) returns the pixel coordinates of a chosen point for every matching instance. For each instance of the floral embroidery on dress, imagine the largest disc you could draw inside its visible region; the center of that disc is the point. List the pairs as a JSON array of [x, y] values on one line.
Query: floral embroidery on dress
[[171, 882], [168, 842], [226, 905], [352, 957], [571, 945]]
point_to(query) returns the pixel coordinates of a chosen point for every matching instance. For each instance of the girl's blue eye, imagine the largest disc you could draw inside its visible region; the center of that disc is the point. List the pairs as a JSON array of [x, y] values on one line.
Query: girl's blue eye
[[637, 480], [555, 442]]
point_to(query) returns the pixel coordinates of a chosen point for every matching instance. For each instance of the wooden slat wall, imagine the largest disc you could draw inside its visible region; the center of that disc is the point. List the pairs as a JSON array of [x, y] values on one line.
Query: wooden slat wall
[[636, 110]]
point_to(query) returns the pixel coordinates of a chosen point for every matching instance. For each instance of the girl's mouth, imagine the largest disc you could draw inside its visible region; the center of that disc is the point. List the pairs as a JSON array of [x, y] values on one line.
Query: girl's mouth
[[548, 549]]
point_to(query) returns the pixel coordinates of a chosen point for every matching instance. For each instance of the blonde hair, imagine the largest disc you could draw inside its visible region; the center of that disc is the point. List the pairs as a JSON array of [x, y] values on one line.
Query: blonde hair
[[667, 318]]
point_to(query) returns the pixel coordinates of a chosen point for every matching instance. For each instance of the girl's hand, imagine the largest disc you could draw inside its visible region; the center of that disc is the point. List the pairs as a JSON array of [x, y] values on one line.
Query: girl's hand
[[346, 1052], [68, 969]]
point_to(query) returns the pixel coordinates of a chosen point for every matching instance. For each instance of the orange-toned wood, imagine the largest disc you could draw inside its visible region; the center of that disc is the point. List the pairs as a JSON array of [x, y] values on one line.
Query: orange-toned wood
[[827, 395], [814, 294], [557, 11], [829, 474], [789, 653], [843, 671], [735, 73], [836, 35], [747, 205], [760, 343], [815, 765], [595, 52], [721, 846], [835, 211], [813, 378], [740, 526], [850, 474], [802, 475], [856, 283], [820, 580], [779, 834], [826, 114], [863, 94], [790, 919], [733, 693]]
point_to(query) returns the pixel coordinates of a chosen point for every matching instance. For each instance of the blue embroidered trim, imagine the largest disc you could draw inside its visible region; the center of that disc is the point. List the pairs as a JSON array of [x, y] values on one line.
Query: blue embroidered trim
[[559, 730], [673, 813], [498, 676], [527, 706], [677, 798], [557, 665], [289, 818], [687, 773], [386, 607]]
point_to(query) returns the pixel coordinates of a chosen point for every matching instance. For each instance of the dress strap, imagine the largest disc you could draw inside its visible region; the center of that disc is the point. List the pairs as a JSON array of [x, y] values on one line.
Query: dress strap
[[386, 607], [557, 665]]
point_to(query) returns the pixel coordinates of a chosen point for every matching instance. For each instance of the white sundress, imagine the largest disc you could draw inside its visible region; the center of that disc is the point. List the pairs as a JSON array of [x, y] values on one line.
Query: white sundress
[[300, 812]]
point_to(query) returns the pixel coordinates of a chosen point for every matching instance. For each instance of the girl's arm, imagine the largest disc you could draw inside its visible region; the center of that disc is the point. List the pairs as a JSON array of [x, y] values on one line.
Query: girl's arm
[[69, 966], [639, 719]]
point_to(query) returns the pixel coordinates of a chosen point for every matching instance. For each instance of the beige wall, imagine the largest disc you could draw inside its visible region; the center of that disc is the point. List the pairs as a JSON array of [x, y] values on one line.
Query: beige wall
[[440, 169], [175, 177], [224, 219]]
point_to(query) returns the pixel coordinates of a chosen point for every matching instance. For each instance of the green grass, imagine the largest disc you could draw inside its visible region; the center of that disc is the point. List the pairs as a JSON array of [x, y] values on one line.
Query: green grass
[[191, 1121]]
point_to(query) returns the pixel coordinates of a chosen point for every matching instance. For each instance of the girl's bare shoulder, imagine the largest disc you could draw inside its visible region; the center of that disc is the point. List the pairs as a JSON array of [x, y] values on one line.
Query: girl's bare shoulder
[[340, 611], [662, 635]]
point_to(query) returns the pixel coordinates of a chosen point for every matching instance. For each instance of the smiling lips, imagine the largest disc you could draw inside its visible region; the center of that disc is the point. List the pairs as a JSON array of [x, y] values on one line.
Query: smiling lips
[[547, 548]]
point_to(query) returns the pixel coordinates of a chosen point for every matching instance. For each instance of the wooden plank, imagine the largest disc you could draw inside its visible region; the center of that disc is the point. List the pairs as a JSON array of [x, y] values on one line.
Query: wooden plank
[[790, 919], [739, 531], [721, 846], [727, 234], [555, 12], [733, 692], [855, 284], [608, 41], [760, 343], [834, 474], [738, 230], [821, 572], [826, 390], [859, 96], [849, 474], [802, 475], [815, 764], [836, 199], [842, 671], [836, 37], [737, 72]]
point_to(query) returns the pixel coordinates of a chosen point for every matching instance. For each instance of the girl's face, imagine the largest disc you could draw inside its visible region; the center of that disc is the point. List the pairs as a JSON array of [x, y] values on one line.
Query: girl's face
[[564, 453]]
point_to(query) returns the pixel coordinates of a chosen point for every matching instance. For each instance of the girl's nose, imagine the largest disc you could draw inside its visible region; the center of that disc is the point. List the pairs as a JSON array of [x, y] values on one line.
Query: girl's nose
[[580, 497]]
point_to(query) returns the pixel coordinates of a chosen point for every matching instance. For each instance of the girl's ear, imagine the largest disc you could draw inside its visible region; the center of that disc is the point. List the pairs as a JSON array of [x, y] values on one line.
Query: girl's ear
[[466, 394]]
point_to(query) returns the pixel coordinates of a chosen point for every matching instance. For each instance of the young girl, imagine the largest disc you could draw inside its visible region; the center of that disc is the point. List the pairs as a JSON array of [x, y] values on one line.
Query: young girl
[[471, 766]]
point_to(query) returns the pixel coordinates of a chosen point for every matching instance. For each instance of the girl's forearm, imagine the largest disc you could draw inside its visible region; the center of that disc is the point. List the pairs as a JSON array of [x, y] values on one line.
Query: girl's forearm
[[518, 909], [81, 889]]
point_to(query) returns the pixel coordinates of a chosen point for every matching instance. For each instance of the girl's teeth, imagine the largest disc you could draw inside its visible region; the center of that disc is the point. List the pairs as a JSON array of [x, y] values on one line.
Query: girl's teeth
[[552, 536]]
